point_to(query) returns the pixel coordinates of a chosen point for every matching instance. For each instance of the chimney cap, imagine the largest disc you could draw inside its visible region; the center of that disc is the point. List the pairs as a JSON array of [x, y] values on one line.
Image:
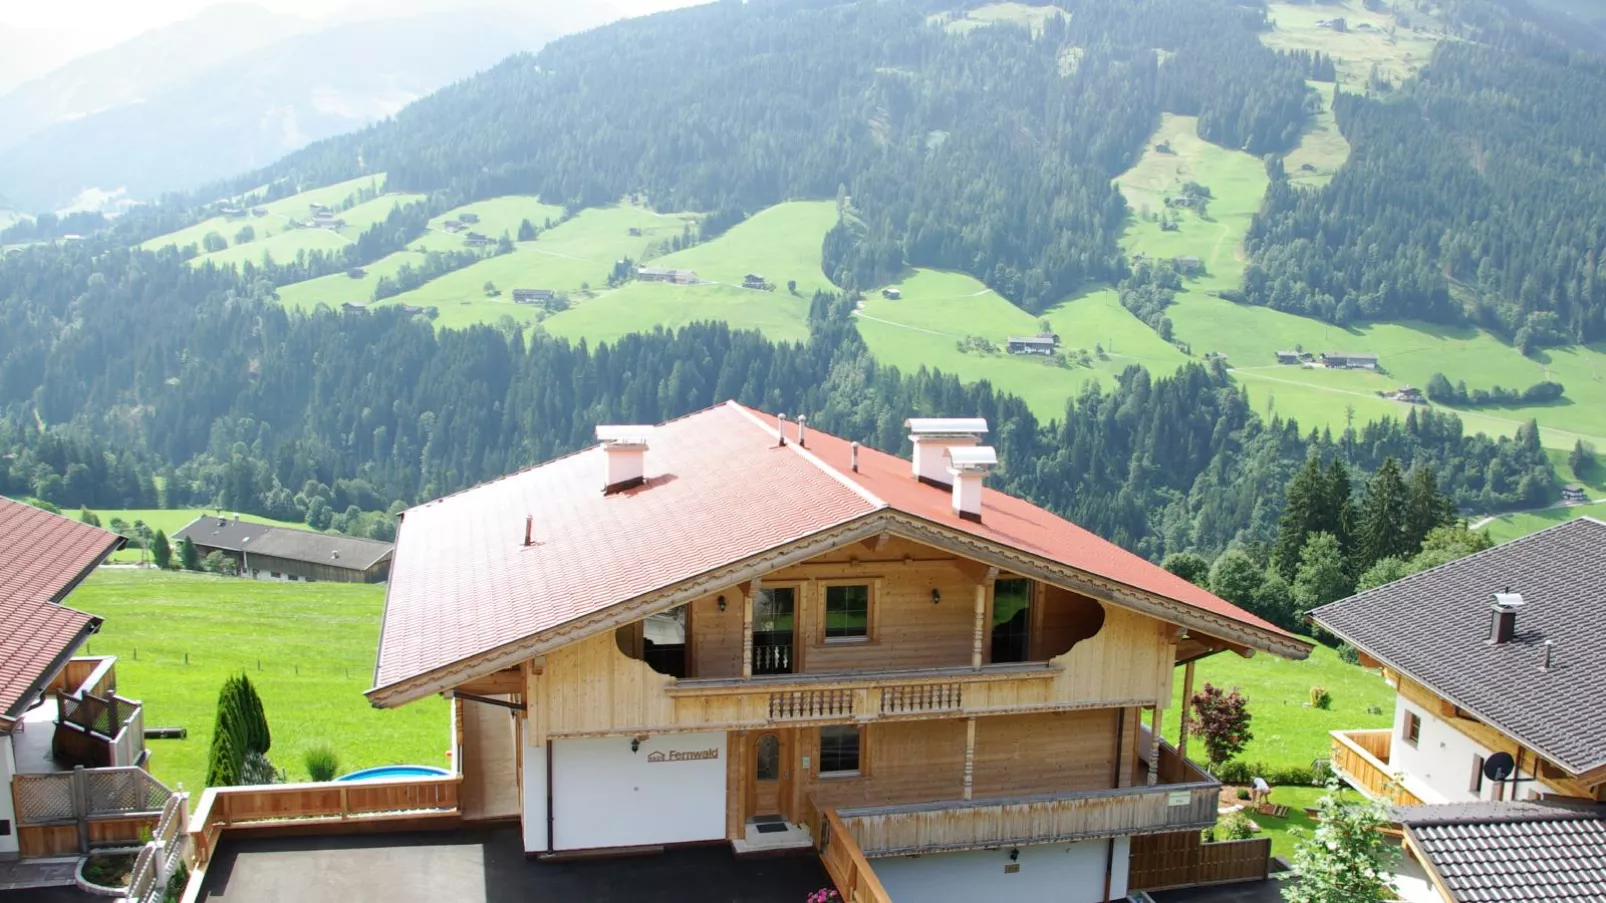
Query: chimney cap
[[624, 434], [934, 427], [1508, 601], [976, 458]]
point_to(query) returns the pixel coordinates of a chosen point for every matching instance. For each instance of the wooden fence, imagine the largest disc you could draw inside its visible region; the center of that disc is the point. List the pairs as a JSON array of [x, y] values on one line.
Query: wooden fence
[[845, 863], [75, 811], [1182, 859], [332, 803]]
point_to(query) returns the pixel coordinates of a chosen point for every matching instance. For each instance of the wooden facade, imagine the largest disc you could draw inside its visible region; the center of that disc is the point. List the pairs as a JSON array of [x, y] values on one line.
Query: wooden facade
[[274, 568]]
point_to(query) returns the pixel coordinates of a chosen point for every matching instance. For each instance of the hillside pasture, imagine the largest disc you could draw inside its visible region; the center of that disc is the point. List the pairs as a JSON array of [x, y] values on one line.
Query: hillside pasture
[[781, 243], [1398, 45], [169, 521], [1030, 16], [498, 214], [308, 648], [1322, 149], [279, 214], [1515, 526], [283, 245], [576, 253]]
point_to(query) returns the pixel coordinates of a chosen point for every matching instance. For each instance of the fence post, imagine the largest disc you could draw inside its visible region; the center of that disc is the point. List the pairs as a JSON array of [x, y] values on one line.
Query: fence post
[[80, 805]]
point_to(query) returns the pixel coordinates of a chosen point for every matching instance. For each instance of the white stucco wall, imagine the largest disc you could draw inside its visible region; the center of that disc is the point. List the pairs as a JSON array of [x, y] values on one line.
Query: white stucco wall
[[534, 817], [1064, 873], [1439, 767], [8, 767], [671, 790]]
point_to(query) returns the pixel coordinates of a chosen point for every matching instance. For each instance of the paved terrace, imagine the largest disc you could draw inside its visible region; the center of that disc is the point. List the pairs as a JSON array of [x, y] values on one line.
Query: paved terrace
[[490, 867]]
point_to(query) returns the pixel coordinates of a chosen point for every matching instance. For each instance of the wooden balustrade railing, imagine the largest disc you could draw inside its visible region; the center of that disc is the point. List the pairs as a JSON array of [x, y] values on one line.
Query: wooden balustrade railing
[[905, 699], [1361, 758], [223, 808], [850, 871], [802, 704]]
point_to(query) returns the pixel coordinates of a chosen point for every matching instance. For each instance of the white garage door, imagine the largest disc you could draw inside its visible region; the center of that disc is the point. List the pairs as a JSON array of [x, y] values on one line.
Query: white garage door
[[670, 790]]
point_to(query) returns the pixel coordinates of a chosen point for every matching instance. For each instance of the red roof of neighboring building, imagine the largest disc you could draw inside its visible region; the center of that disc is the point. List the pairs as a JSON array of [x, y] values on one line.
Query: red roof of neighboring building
[[719, 490], [42, 557]]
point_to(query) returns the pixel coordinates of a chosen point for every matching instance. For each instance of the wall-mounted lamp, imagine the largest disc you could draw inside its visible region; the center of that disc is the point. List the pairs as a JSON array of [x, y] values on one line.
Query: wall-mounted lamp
[[721, 603], [936, 596], [635, 744], [1014, 855]]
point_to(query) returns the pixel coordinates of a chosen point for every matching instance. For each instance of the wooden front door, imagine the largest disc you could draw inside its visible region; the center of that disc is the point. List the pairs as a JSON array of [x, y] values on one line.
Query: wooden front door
[[771, 786]]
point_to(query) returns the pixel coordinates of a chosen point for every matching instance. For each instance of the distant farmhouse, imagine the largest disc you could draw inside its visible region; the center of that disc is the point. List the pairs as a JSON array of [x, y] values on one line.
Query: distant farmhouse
[[892, 294], [412, 309], [356, 272], [1408, 394], [317, 208], [1033, 344], [469, 217], [477, 240], [453, 226], [259, 211], [1292, 357], [756, 280], [661, 274], [533, 295], [232, 212], [1574, 493], [1344, 360], [1188, 266], [352, 309], [264, 552]]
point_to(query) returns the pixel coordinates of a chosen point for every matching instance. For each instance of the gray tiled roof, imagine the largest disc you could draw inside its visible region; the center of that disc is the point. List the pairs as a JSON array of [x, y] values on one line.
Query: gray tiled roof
[[1555, 853], [1433, 628], [284, 542]]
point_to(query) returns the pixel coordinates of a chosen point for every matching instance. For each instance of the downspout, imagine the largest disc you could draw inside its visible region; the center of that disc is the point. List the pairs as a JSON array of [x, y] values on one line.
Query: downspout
[[549, 816], [1115, 782]]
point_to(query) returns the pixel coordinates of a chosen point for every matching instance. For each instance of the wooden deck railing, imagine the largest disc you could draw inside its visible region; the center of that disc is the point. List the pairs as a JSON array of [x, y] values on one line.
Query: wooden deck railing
[[96, 727], [1047, 818], [850, 871], [401, 799], [1162, 861], [1361, 758]]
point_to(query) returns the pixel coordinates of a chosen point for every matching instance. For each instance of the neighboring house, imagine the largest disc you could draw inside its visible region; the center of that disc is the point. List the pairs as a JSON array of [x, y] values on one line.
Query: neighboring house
[[1575, 493], [726, 628], [1512, 852], [1188, 266], [56, 711], [470, 218], [453, 225], [265, 552], [352, 309], [1349, 361], [1290, 357], [660, 274], [755, 280], [892, 294], [1496, 653], [533, 295], [1032, 344]]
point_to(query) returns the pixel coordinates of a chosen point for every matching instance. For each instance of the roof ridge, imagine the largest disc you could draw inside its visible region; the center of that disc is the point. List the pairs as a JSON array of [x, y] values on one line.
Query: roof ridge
[[811, 457]]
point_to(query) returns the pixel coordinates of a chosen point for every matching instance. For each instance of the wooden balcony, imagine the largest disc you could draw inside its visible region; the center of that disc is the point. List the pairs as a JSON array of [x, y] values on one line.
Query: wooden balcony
[[95, 727], [871, 696], [1361, 758], [1047, 818]]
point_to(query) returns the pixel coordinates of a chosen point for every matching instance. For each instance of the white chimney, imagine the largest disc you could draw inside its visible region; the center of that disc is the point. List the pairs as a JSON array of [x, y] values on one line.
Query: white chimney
[[968, 467], [933, 436], [625, 448]]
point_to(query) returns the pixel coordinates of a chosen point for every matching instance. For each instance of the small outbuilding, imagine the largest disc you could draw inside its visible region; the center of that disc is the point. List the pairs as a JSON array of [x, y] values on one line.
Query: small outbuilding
[[892, 294], [1032, 344]]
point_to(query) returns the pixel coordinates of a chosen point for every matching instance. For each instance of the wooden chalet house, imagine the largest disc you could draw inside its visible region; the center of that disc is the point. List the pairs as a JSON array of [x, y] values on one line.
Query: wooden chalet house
[[266, 552], [58, 710], [1497, 653], [728, 628]]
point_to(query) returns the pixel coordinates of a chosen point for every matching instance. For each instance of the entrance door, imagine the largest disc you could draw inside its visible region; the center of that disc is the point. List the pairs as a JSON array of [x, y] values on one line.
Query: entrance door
[[772, 774]]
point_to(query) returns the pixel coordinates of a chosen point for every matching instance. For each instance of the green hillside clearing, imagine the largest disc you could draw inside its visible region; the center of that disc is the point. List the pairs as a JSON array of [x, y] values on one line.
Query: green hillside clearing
[[279, 214], [308, 648], [1323, 148], [1397, 45], [1030, 16]]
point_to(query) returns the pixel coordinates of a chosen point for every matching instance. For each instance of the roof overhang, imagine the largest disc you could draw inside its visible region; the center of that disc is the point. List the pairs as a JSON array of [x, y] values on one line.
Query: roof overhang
[[1589, 776], [37, 686], [1233, 634]]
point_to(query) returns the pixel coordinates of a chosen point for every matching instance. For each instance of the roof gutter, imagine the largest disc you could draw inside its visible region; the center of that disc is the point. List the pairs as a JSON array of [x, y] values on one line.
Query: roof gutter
[[37, 687], [1458, 703]]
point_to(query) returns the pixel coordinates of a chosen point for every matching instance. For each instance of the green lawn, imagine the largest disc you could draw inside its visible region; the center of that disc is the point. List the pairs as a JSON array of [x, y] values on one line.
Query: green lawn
[[1288, 732], [1372, 38], [308, 648], [781, 243], [279, 213], [1285, 832], [168, 520]]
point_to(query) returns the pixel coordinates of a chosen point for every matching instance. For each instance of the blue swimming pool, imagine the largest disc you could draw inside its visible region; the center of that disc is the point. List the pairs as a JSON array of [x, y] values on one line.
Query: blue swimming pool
[[385, 772]]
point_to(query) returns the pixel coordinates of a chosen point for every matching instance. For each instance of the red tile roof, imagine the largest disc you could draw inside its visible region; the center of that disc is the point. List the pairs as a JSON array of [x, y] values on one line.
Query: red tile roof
[[719, 490], [42, 557]]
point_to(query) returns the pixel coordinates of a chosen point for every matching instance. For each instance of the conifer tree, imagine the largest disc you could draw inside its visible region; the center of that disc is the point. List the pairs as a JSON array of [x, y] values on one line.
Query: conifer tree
[[1322, 576], [188, 557], [1382, 528], [1426, 508], [1338, 510], [161, 551], [1302, 516]]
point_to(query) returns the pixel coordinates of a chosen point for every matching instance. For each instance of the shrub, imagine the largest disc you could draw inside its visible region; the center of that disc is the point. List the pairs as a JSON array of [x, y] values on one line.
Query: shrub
[[1348, 654], [1221, 720], [256, 769], [1235, 773], [1243, 793], [1320, 698], [1235, 827], [1245, 772], [825, 895], [322, 763], [1321, 771], [1374, 709]]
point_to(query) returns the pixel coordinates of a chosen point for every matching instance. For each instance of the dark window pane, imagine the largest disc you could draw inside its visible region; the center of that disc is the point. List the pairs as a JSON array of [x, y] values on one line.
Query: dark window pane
[[847, 611], [774, 614], [839, 749], [1012, 612], [769, 757]]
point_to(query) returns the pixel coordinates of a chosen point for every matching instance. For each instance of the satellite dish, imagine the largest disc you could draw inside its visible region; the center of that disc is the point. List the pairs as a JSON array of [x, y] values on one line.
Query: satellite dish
[[1499, 766]]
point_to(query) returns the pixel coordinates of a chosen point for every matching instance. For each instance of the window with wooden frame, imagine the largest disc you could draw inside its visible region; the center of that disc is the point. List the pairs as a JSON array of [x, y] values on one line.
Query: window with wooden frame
[[841, 751], [1476, 784], [1411, 730], [846, 612]]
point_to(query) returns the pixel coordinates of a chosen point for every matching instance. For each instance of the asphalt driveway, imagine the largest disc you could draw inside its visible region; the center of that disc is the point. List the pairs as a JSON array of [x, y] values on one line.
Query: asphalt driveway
[[490, 867]]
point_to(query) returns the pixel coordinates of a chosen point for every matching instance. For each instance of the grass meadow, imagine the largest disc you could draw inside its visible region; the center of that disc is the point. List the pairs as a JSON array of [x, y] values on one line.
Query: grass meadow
[[308, 648], [279, 214], [1397, 45], [1322, 149], [1030, 16]]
